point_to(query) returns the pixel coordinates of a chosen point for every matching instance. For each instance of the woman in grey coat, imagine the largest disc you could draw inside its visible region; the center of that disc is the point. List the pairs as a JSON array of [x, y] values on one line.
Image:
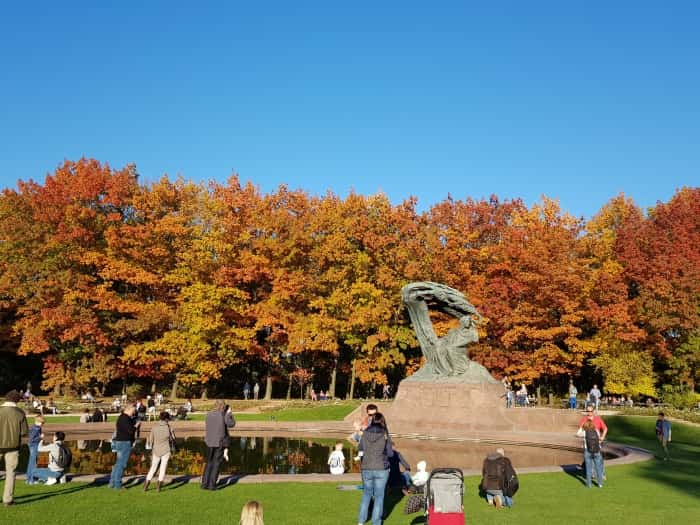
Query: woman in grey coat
[[159, 441], [375, 450]]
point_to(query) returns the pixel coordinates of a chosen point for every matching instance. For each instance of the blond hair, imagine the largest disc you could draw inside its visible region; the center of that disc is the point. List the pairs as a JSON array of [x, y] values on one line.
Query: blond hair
[[252, 513]]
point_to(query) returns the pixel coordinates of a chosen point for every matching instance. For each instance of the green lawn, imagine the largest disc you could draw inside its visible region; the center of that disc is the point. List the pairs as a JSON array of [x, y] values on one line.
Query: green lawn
[[652, 492], [309, 412]]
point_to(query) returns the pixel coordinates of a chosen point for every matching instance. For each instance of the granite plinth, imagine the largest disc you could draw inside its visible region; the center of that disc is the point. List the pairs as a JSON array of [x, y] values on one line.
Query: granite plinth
[[455, 409]]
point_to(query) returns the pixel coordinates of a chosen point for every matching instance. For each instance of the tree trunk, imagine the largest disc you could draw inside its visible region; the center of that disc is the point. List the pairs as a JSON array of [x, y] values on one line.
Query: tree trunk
[[268, 387], [334, 372], [374, 389], [153, 388], [301, 391], [289, 389], [351, 395], [173, 392], [204, 393]]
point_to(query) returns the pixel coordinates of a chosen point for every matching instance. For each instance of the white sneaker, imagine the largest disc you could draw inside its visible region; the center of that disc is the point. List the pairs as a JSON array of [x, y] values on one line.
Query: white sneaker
[[51, 481], [63, 479]]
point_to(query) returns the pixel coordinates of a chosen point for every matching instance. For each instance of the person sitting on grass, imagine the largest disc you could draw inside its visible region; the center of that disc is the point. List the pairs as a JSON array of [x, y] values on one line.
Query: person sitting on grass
[[336, 460], [418, 480], [252, 514], [499, 480], [59, 460], [397, 478]]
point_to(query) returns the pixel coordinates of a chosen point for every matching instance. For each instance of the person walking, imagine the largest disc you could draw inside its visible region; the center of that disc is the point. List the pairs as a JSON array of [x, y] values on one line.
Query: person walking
[[217, 423], [256, 390], [663, 433], [246, 391], [159, 441], [123, 440], [13, 427], [374, 451]]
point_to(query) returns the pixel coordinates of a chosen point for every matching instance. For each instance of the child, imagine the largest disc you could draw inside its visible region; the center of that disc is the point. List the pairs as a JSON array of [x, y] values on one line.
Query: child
[[252, 514], [35, 437], [419, 479], [357, 434], [337, 460]]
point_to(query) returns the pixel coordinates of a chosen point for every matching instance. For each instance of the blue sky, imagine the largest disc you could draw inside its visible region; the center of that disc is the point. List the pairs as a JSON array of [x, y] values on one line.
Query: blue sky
[[575, 100]]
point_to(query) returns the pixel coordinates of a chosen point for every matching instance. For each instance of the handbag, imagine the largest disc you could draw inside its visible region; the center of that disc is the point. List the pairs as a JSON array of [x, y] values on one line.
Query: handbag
[[171, 440]]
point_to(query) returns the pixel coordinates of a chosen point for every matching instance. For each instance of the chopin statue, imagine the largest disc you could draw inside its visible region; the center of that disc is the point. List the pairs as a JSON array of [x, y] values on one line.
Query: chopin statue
[[446, 357]]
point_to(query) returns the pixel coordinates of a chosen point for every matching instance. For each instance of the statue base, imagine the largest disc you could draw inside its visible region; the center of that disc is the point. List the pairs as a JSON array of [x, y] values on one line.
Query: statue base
[[454, 409]]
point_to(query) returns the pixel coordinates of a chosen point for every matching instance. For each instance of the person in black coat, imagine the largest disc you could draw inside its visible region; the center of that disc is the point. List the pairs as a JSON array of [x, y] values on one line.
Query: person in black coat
[[217, 423], [123, 441]]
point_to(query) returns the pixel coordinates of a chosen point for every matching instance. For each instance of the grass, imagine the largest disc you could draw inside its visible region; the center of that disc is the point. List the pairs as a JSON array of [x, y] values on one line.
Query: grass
[[295, 412], [652, 492]]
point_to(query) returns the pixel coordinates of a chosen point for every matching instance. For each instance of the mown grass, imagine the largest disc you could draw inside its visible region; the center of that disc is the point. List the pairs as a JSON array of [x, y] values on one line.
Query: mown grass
[[651, 492], [320, 411]]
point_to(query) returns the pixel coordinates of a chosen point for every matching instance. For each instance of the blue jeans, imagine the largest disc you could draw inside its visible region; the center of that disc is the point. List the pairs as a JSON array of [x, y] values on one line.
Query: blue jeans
[[44, 474], [572, 403], [593, 460], [123, 450], [374, 483], [507, 500], [31, 463]]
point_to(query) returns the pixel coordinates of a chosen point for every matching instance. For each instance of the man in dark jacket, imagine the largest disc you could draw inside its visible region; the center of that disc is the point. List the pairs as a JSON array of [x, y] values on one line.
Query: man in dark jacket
[[13, 426], [217, 440], [125, 435], [499, 480]]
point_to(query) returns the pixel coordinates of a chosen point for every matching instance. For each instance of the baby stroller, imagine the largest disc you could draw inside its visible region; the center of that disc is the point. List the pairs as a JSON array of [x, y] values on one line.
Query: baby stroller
[[444, 496]]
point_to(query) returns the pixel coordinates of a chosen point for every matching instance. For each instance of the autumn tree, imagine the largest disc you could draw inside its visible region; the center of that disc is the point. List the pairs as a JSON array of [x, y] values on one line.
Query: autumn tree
[[660, 254], [63, 218]]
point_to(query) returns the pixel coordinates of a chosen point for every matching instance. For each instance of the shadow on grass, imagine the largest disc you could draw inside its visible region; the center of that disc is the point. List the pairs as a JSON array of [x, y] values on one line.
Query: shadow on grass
[[577, 472], [31, 498], [680, 473]]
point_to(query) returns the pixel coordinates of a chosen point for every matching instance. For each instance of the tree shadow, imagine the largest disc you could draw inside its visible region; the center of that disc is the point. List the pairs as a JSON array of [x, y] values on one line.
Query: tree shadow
[[680, 472]]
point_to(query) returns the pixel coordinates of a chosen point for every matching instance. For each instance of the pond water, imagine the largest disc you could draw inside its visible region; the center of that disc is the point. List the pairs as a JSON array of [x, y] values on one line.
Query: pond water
[[288, 455]]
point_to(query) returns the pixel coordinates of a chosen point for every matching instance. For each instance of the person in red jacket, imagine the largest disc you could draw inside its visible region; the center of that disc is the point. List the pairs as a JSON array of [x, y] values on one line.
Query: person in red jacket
[[599, 425]]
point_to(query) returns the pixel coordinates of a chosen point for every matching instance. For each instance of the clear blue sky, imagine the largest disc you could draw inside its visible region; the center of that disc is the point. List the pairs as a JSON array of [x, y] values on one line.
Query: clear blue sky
[[575, 100]]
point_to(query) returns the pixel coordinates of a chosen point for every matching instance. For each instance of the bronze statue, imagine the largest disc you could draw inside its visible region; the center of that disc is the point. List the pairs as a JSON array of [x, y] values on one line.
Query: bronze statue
[[446, 357]]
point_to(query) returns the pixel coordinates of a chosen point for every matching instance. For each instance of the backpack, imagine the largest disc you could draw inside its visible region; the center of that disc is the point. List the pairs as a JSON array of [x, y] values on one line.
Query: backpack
[[495, 473], [511, 484], [65, 457], [592, 441]]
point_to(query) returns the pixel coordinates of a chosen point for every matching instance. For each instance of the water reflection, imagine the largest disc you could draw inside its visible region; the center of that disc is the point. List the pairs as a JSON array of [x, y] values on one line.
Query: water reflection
[[252, 455], [275, 455]]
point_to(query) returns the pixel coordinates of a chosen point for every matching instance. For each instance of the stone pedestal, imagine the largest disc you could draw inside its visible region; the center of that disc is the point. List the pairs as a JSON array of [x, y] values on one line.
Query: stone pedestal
[[461, 409]]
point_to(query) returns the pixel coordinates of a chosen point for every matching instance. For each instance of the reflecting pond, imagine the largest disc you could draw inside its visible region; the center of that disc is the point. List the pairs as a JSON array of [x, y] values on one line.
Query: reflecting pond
[[295, 455], [247, 455]]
